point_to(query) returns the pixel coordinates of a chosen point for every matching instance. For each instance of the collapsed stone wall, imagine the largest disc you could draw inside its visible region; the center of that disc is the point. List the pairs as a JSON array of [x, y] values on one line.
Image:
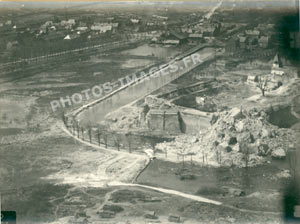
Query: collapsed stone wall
[[160, 116], [236, 137], [166, 121], [168, 117]]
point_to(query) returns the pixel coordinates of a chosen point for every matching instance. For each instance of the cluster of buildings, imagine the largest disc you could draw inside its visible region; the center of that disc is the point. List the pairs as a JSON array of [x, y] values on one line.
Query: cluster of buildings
[[69, 29], [251, 39], [280, 72], [7, 23], [157, 20], [73, 29], [192, 34], [54, 31], [201, 32]]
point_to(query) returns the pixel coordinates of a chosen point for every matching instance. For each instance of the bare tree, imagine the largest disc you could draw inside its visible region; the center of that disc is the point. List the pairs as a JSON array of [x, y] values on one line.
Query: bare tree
[[99, 136], [129, 141], [191, 154], [246, 153], [78, 129], [64, 118], [262, 84], [105, 138], [90, 134], [217, 156], [182, 155], [117, 141], [74, 126], [82, 133]]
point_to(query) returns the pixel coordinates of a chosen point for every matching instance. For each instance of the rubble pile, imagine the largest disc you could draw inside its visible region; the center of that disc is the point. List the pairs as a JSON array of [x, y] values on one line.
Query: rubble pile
[[155, 102], [124, 118], [236, 138], [134, 117]]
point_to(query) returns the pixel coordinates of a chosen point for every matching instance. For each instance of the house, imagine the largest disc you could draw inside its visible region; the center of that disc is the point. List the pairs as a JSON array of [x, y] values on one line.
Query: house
[[8, 23], [154, 40], [252, 80], [209, 39], [82, 28], [174, 37], [68, 37], [186, 30], [277, 63], [160, 17], [195, 38], [265, 26], [297, 211], [277, 67], [179, 36], [71, 36], [227, 26], [275, 81], [48, 23], [243, 42], [208, 30], [68, 24], [252, 43], [11, 44], [101, 27], [195, 35], [252, 33], [52, 28], [135, 21], [171, 42], [263, 41], [45, 26], [82, 24], [114, 25]]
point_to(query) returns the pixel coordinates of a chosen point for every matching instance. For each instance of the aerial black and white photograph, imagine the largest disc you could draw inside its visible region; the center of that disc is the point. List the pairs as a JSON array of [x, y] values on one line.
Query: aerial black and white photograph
[[143, 112]]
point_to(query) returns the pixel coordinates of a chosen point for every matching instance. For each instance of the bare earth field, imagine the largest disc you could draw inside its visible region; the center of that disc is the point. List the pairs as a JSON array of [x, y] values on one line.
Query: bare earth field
[[49, 177]]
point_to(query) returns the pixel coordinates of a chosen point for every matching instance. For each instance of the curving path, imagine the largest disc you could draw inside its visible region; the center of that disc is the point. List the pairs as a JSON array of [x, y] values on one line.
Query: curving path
[[115, 183], [164, 190]]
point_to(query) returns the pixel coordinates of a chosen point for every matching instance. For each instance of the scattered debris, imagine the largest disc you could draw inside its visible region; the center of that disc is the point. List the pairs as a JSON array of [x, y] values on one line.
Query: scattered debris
[[278, 153], [284, 174], [106, 214], [150, 215], [174, 218], [236, 138]]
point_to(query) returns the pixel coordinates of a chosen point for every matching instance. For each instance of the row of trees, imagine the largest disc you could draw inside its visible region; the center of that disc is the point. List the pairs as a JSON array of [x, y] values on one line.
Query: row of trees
[[99, 135]]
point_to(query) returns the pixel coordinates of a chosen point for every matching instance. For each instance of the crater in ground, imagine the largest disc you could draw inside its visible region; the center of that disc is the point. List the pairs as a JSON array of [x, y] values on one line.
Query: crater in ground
[[282, 117]]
